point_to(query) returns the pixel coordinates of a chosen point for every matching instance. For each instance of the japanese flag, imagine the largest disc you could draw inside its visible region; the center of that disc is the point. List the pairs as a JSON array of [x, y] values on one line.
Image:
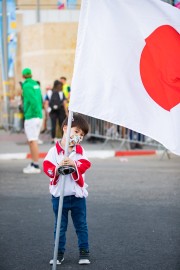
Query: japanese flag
[[127, 67]]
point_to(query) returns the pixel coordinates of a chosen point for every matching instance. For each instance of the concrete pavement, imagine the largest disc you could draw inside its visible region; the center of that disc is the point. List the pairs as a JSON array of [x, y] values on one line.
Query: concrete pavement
[[14, 146]]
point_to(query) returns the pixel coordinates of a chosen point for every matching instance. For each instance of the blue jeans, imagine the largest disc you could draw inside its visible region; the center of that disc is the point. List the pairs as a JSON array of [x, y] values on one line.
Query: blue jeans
[[77, 206]]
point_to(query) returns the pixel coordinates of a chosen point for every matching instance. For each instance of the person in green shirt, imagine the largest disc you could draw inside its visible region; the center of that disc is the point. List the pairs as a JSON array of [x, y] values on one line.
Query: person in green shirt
[[32, 108]]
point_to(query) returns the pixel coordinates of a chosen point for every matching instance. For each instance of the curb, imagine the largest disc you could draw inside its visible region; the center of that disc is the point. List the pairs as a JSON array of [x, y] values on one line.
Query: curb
[[135, 153], [91, 154]]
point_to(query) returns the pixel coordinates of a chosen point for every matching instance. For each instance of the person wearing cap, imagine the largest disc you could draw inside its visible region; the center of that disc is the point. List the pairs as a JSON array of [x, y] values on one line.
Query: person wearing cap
[[32, 107]]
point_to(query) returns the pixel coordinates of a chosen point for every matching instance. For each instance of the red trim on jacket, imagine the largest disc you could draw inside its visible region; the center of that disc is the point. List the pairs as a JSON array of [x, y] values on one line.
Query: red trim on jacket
[[79, 149], [81, 166], [59, 148], [50, 169]]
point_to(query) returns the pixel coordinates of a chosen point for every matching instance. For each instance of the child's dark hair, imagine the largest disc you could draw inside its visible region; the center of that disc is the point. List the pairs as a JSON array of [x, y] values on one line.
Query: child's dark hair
[[78, 121]]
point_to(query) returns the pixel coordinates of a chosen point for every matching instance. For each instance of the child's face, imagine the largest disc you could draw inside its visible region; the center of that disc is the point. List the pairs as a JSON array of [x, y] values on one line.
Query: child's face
[[76, 136]]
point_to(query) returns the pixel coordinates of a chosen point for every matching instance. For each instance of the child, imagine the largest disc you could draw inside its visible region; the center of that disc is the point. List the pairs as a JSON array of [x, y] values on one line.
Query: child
[[75, 192]]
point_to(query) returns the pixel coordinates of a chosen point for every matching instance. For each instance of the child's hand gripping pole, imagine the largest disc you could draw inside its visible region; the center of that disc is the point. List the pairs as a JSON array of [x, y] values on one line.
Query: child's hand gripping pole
[[66, 166], [64, 170]]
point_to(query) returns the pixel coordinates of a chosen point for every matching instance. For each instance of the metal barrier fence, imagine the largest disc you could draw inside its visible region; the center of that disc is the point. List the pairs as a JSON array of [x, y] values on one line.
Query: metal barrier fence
[[128, 139], [15, 119], [99, 129]]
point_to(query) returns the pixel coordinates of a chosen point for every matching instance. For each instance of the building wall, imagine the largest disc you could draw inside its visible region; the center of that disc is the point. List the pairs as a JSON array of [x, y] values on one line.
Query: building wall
[[49, 50], [47, 15], [47, 47]]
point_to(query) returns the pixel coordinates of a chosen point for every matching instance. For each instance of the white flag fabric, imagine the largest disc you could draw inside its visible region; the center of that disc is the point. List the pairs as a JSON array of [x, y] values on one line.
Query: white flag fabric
[[127, 67]]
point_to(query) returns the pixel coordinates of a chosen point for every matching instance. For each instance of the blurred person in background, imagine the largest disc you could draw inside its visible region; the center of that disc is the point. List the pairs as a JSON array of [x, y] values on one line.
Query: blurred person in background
[[32, 108], [46, 100], [58, 107], [66, 89]]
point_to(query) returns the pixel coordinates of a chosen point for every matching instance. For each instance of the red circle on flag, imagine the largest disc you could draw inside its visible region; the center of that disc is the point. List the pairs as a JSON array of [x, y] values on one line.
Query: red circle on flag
[[160, 66]]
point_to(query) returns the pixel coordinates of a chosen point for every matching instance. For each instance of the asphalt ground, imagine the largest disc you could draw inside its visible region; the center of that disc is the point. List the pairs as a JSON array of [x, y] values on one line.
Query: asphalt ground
[[133, 216]]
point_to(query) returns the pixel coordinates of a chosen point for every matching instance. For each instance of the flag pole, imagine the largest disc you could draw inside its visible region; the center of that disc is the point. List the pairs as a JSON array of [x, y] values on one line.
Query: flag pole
[[4, 56], [70, 116]]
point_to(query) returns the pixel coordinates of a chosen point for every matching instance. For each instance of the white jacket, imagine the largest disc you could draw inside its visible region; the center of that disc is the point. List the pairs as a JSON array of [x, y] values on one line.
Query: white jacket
[[75, 182]]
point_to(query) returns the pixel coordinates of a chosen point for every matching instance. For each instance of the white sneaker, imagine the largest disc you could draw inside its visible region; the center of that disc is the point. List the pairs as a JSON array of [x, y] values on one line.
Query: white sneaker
[[84, 257], [84, 261], [60, 258], [58, 262], [31, 169]]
